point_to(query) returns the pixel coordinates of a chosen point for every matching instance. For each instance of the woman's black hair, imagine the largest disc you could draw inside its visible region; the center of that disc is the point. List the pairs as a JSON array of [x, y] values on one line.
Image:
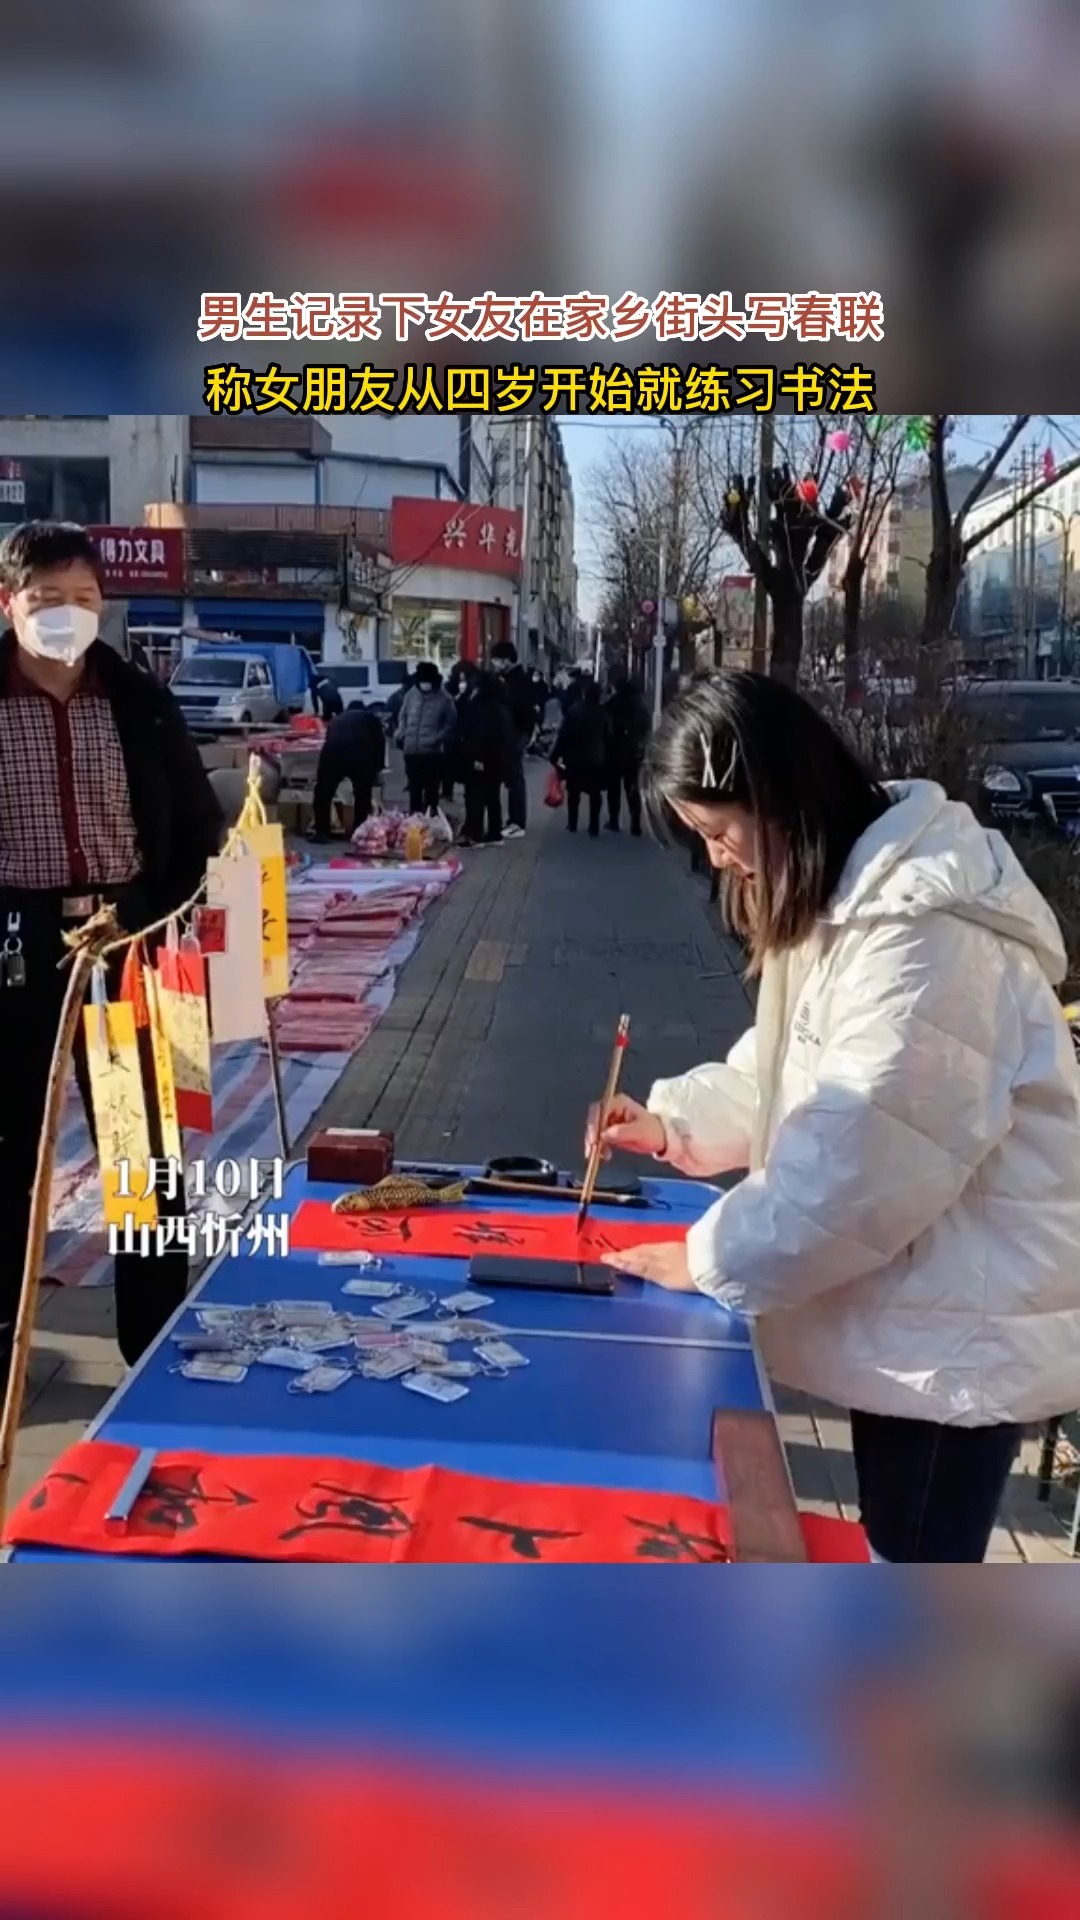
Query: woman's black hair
[[742, 739]]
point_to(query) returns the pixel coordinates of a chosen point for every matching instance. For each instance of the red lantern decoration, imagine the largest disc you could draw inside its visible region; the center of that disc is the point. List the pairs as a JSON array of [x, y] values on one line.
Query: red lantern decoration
[[1049, 465], [807, 491]]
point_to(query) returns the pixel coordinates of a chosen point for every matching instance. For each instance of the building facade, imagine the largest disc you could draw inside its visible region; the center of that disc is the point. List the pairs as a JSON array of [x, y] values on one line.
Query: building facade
[[355, 538], [1020, 607], [527, 471]]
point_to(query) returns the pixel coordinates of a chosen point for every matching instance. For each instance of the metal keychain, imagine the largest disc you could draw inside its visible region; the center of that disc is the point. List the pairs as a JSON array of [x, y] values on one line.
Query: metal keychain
[[404, 1308], [457, 1303], [13, 958]]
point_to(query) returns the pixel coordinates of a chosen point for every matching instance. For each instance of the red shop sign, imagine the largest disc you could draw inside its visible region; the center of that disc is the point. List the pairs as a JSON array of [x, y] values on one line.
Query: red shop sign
[[141, 559], [456, 533]]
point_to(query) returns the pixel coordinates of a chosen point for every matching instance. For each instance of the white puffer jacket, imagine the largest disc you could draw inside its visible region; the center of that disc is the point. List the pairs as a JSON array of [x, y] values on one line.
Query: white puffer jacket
[[908, 1105]]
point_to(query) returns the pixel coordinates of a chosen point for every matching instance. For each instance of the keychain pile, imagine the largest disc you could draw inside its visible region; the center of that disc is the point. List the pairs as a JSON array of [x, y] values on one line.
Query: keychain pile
[[322, 1346]]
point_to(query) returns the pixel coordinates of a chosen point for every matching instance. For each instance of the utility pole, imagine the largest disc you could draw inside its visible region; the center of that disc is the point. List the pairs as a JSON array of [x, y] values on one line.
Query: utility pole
[[658, 635], [1014, 530], [525, 590], [1063, 591], [759, 655], [1031, 662], [676, 502]]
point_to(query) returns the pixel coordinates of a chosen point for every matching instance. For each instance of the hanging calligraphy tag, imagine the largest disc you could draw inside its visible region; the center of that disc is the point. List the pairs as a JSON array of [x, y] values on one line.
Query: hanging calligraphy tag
[[267, 844], [237, 1007], [181, 998], [210, 928], [119, 1107], [171, 1145], [132, 987]]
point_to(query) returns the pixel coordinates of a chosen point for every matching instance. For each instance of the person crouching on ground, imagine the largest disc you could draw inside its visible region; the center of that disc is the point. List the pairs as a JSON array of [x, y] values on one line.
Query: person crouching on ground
[[580, 755], [354, 750], [907, 1105], [487, 747], [426, 728]]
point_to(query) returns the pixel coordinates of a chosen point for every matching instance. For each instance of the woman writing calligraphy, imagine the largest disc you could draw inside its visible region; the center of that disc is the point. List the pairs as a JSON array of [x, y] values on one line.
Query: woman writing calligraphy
[[906, 1108]]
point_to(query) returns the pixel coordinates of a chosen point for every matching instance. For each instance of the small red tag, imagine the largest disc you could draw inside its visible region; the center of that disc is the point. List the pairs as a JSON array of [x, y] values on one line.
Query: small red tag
[[209, 927]]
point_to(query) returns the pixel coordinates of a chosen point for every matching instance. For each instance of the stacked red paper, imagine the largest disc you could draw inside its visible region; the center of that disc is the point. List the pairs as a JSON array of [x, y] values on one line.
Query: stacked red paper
[[349, 933], [322, 1026], [339, 945], [314, 988], [384, 906], [361, 963]]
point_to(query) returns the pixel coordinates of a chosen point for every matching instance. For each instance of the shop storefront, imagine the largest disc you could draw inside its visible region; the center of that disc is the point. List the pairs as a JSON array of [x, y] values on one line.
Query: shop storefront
[[456, 567]]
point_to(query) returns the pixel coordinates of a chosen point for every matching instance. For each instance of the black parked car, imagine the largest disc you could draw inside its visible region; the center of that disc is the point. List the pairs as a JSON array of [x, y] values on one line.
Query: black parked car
[[1030, 731]]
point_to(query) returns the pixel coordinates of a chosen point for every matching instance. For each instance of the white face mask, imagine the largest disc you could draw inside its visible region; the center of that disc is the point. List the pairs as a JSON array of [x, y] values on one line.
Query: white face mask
[[62, 634]]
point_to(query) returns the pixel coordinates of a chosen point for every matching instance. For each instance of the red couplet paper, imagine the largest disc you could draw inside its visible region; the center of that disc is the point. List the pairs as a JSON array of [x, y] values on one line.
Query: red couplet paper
[[168, 1825], [182, 978], [283, 1508], [442, 1232]]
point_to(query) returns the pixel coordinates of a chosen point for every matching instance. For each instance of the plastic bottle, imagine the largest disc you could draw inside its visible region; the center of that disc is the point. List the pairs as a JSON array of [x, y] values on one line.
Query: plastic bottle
[[414, 843]]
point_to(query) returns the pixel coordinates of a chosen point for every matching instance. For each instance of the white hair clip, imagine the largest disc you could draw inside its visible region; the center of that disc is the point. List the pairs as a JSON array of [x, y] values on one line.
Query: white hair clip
[[708, 774]]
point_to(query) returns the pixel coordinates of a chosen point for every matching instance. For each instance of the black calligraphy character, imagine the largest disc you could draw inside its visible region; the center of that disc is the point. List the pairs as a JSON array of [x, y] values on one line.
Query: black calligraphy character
[[523, 1541], [347, 1510], [600, 1242], [380, 1229], [41, 1497], [170, 1501], [669, 1541], [481, 1236]]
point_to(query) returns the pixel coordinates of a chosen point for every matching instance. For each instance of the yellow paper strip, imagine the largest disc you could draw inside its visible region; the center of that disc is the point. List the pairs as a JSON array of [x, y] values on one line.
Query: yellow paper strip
[[171, 1144], [267, 843], [119, 1105]]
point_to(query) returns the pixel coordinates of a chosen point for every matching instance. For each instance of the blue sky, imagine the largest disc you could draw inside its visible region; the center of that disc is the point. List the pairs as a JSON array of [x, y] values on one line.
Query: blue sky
[[588, 442]]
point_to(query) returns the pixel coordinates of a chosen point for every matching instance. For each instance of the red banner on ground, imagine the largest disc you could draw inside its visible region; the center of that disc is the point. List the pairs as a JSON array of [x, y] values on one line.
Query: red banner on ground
[[442, 1232], [284, 1508], [177, 1828]]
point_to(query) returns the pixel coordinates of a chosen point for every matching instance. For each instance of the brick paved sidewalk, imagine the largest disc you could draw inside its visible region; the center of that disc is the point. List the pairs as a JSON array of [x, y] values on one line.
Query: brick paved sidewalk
[[498, 1038]]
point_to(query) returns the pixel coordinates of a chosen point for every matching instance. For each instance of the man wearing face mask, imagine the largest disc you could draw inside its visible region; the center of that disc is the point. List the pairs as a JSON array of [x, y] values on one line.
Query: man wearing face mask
[[517, 692], [103, 798]]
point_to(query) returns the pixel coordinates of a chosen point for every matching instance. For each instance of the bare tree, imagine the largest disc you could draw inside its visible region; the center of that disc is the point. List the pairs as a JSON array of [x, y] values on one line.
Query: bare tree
[[879, 459], [645, 495], [950, 546], [807, 510]]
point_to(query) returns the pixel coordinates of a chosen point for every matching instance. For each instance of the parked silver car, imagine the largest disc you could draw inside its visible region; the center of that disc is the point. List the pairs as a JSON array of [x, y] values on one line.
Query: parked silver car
[[224, 694]]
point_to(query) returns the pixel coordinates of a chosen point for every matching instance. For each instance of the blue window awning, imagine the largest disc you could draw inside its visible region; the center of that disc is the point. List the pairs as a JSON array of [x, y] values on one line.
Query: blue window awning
[[155, 613], [271, 616]]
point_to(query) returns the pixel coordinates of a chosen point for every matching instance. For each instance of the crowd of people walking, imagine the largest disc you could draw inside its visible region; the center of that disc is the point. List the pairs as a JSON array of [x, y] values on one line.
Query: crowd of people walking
[[475, 732]]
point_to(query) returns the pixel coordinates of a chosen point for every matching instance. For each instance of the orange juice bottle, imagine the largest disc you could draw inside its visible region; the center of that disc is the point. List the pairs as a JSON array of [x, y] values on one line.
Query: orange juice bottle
[[414, 842]]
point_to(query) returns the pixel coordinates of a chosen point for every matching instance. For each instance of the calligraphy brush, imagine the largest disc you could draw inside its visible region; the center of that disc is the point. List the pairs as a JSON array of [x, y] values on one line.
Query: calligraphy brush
[[622, 1041], [507, 1189]]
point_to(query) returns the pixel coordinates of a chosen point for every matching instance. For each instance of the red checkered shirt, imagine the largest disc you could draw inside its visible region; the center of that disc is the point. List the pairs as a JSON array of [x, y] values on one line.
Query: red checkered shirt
[[65, 809]]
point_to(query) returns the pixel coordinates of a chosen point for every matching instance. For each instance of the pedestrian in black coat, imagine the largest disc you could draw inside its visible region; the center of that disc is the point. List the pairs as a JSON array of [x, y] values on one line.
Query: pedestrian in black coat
[[488, 745], [628, 733], [580, 754], [517, 693]]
